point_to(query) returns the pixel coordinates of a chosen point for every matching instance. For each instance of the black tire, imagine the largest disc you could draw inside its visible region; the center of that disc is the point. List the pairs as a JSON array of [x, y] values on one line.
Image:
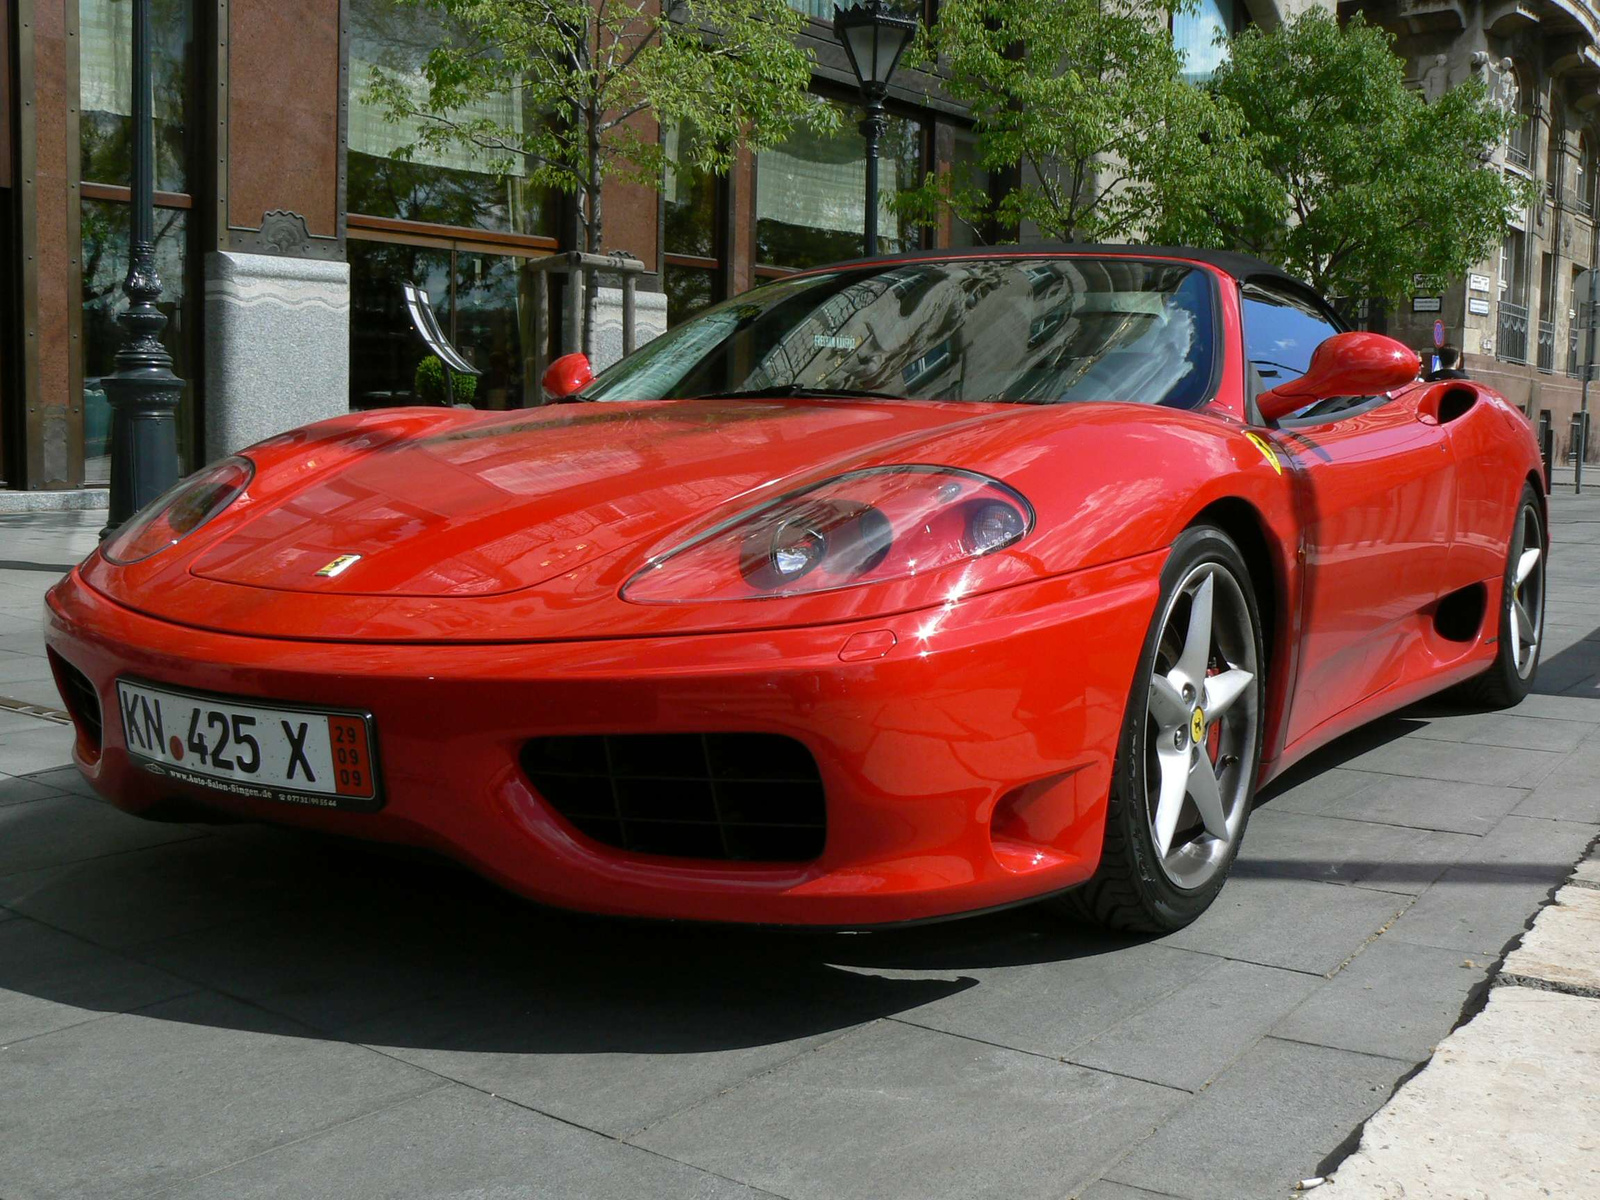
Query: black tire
[[1132, 891], [1506, 682]]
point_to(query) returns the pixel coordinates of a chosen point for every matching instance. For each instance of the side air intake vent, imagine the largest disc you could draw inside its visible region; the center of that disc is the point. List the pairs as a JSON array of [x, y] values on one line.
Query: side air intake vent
[[751, 797]]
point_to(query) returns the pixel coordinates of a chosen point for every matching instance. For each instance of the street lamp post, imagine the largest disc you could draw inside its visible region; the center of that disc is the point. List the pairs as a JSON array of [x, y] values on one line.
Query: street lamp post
[[874, 37], [143, 392]]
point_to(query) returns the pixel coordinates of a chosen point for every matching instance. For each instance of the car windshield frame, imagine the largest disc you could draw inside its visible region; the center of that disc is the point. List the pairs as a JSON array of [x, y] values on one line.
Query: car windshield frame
[[714, 327]]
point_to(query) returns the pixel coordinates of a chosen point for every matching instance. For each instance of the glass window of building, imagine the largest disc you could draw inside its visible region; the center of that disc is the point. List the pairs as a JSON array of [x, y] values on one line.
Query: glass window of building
[[484, 302], [1196, 34], [811, 192], [104, 227], [691, 203], [105, 90], [454, 185], [1586, 174], [105, 130], [967, 174]]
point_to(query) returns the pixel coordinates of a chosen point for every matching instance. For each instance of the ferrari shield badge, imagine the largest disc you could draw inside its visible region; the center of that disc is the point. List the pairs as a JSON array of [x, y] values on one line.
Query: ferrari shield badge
[[1262, 445], [339, 565]]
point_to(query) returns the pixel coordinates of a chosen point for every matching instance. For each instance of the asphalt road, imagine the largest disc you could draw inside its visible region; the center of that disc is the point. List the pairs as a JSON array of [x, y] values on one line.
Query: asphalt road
[[198, 1011]]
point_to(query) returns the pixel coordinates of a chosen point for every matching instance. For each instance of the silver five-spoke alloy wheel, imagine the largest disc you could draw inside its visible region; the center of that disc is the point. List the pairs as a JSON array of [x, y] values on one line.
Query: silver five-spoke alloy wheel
[[1202, 726], [1527, 594]]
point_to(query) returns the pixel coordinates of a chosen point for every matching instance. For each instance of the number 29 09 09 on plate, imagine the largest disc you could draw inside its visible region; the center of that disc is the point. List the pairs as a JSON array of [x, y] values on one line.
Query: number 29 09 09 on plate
[[295, 755]]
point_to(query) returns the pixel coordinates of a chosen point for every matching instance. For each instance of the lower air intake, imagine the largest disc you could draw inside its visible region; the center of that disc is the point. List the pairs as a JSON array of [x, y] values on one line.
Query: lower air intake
[[81, 701], [749, 797]]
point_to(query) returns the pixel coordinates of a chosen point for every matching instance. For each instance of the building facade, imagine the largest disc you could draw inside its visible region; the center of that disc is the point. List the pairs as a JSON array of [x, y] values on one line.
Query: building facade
[[288, 217], [1517, 315], [287, 220]]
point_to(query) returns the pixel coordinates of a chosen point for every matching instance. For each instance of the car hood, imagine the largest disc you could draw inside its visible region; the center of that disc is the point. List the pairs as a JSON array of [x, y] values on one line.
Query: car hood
[[513, 525]]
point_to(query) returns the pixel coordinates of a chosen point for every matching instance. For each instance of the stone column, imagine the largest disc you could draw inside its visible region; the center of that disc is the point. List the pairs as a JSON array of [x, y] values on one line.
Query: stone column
[[277, 346], [649, 321]]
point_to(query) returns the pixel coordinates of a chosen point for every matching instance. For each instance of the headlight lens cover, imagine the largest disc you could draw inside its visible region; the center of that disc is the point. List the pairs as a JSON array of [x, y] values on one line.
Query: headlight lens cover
[[179, 511], [867, 526]]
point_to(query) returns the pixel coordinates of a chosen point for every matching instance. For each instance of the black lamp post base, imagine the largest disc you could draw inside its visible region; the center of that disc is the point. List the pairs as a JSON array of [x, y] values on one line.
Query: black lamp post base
[[144, 440]]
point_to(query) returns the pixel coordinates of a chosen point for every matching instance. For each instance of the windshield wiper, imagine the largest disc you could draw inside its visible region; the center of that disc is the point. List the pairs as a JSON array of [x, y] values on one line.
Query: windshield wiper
[[784, 390]]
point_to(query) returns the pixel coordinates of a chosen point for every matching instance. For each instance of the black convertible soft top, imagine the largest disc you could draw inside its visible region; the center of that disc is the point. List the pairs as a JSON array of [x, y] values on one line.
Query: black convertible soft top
[[1242, 267]]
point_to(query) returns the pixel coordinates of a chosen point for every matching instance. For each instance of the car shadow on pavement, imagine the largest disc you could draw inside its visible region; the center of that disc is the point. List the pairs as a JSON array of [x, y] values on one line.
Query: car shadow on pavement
[[377, 944]]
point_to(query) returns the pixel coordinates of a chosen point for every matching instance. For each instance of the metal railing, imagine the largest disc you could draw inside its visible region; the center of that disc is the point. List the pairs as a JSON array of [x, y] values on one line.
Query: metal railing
[[1547, 347], [1574, 366], [1520, 143], [1511, 340]]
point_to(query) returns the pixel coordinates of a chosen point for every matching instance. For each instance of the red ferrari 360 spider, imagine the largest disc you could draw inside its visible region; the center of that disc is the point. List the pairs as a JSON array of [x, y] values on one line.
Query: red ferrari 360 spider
[[892, 590]]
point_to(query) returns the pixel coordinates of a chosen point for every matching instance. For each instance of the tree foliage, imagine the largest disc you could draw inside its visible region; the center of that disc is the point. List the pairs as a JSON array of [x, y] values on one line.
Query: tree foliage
[[565, 88], [1326, 163], [1080, 102]]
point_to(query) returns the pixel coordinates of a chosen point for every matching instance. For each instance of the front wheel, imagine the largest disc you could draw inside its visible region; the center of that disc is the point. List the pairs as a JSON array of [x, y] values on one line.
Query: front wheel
[[1190, 748]]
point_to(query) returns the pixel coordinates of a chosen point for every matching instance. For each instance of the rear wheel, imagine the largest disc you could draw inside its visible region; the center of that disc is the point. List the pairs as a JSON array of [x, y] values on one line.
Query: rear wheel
[[1521, 612], [1190, 748]]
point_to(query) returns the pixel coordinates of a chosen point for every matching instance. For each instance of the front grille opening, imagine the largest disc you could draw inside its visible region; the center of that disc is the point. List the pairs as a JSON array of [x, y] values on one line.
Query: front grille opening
[[82, 702], [748, 797]]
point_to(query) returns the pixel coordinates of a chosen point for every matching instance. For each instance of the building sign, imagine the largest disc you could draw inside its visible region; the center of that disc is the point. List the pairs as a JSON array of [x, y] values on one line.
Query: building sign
[[1426, 304], [1478, 307], [1478, 283]]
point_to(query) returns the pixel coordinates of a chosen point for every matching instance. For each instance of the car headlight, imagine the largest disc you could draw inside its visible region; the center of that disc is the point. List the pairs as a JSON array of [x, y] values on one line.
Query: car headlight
[[179, 511], [868, 526]]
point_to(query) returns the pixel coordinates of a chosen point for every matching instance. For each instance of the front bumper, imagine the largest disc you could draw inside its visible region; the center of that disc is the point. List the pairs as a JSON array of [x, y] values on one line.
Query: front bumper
[[966, 768]]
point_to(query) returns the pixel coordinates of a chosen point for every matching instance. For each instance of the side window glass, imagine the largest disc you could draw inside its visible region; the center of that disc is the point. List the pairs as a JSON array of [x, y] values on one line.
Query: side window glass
[[1280, 333]]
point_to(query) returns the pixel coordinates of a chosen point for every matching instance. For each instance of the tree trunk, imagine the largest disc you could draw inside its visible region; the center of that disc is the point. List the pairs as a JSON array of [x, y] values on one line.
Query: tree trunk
[[593, 182]]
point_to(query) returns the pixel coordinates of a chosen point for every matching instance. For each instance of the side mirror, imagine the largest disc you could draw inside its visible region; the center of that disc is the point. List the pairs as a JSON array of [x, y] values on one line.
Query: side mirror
[[1347, 364], [567, 376]]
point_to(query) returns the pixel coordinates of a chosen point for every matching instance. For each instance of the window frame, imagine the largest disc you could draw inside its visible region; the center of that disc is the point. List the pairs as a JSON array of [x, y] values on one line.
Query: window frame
[[1284, 289]]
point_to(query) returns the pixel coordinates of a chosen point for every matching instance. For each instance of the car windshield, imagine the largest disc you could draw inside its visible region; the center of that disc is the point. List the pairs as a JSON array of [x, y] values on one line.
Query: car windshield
[[1019, 330]]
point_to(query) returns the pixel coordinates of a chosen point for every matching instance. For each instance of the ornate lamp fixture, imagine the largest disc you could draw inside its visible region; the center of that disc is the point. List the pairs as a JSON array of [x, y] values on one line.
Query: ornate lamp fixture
[[874, 37]]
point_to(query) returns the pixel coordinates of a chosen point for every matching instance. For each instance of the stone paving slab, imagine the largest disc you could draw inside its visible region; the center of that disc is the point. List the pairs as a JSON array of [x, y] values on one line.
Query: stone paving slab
[[54, 981], [1503, 1111], [1393, 999], [893, 1110], [126, 1104], [1235, 1004], [1401, 800], [1563, 947], [513, 1153], [1243, 1137], [1474, 911]]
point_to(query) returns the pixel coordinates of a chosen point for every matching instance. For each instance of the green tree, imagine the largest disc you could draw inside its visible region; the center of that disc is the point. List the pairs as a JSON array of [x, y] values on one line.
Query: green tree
[[1327, 164], [1079, 102], [569, 87]]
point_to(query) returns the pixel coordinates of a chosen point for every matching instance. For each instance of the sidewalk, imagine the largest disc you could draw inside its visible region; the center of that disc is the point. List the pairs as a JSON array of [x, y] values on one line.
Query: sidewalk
[[241, 1011]]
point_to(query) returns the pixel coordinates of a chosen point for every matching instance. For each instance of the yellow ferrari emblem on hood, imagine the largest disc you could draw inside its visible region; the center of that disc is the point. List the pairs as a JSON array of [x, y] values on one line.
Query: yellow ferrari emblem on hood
[[338, 565]]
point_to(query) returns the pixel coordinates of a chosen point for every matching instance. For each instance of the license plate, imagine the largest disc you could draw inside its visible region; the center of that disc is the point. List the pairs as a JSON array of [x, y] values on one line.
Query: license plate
[[296, 755]]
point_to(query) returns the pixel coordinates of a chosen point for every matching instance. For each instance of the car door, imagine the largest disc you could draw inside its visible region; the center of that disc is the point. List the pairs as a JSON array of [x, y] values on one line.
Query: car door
[[1375, 487]]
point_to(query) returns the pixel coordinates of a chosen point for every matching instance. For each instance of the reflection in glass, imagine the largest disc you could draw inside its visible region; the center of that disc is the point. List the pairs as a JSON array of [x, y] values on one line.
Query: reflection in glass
[[1195, 32], [689, 291], [105, 263], [689, 198], [105, 90], [811, 192], [967, 174], [384, 348], [493, 311], [484, 305], [454, 185], [1035, 331]]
